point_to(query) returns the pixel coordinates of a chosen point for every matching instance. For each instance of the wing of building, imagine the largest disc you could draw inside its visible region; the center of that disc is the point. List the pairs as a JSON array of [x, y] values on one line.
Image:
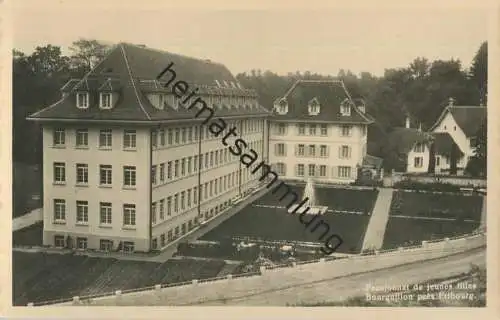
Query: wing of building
[[318, 130], [128, 165]]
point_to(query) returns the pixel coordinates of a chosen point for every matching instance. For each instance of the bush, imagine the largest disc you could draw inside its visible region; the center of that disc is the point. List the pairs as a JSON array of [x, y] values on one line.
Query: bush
[[437, 186]]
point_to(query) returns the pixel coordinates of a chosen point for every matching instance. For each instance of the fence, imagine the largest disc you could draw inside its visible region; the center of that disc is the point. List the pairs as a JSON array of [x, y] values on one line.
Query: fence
[[462, 181], [427, 250]]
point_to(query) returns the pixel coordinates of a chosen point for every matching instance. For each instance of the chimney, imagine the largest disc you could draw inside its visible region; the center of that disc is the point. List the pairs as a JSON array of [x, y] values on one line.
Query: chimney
[[407, 124], [451, 101]]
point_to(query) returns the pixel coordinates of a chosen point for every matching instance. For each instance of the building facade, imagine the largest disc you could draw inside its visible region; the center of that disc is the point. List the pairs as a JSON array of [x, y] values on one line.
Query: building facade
[[462, 124], [129, 163], [318, 131]]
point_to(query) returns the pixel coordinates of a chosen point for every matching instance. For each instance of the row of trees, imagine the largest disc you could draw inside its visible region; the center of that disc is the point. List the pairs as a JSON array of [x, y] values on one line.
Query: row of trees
[[421, 90]]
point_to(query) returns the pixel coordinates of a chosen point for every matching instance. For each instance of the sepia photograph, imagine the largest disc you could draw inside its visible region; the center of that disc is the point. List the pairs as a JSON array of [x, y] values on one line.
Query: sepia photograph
[[283, 156]]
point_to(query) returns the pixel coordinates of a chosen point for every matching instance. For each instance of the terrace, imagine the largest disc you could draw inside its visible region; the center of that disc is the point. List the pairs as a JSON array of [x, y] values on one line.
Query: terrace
[[267, 218]]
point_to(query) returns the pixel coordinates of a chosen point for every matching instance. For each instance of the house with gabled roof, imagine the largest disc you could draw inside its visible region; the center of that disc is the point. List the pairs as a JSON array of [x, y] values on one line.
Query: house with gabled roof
[[455, 132], [317, 130], [127, 163]]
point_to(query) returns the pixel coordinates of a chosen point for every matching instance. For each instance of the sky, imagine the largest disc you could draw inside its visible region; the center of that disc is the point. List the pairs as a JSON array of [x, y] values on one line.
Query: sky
[[281, 36]]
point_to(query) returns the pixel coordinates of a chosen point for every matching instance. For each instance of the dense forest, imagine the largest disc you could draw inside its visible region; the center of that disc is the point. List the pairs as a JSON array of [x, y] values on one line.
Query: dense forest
[[421, 90]]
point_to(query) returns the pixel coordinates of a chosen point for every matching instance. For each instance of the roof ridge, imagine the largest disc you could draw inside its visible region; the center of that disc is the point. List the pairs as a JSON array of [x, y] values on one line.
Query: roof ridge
[[133, 82], [208, 61]]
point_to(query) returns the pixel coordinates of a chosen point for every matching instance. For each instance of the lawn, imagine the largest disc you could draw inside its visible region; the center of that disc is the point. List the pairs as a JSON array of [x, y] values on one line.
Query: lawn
[[267, 223], [26, 182], [437, 205], [404, 231], [41, 277], [29, 236]]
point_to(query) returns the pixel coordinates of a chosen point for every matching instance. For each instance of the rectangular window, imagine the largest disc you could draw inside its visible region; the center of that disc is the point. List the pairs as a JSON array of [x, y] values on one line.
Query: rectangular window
[[346, 130], [105, 175], [59, 172], [176, 203], [128, 247], [183, 135], [82, 173], [153, 174], [81, 243], [324, 130], [183, 200], [438, 160], [206, 160], [162, 240], [105, 245], [183, 167], [189, 165], [217, 157], [105, 212], [59, 137], [301, 150], [300, 170], [322, 171], [189, 198], [82, 211], [211, 188], [322, 151], [162, 137], [190, 134], [280, 168], [162, 209], [344, 172], [177, 135], [162, 172], [82, 138], [169, 206], [211, 159], [59, 241], [176, 168], [215, 187], [302, 129], [129, 214], [169, 170], [129, 139], [201, 161], [170, 138], [153, 213], [280, 149], [105, 102], [312, 150], [312, 129], [418, 162], [82, 100], [345, 152], [129, 176], [59, 210], [195, 195], [195, 163], [105, 138], [312, 170], [281, 129]]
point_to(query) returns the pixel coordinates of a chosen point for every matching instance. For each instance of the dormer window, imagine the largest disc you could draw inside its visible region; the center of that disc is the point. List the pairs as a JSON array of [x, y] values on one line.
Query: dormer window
[[217, 83], [345, 108], [82, 100], [281, 106], [313, 107], [105, 100]]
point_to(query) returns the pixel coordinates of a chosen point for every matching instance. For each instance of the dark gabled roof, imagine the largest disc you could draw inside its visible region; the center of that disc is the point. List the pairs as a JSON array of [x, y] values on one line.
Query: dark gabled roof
[[330, 95], [468, 118], [403, 140], [372, 162], [129, 66], [444, 143]]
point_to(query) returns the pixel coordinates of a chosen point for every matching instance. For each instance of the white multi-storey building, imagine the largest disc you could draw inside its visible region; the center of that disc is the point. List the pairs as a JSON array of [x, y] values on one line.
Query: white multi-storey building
[[318, 131], [128, 166]]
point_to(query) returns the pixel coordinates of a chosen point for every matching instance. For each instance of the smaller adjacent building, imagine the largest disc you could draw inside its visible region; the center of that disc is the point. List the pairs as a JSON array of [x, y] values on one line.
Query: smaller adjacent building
[[445, 149], [461, 124]]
